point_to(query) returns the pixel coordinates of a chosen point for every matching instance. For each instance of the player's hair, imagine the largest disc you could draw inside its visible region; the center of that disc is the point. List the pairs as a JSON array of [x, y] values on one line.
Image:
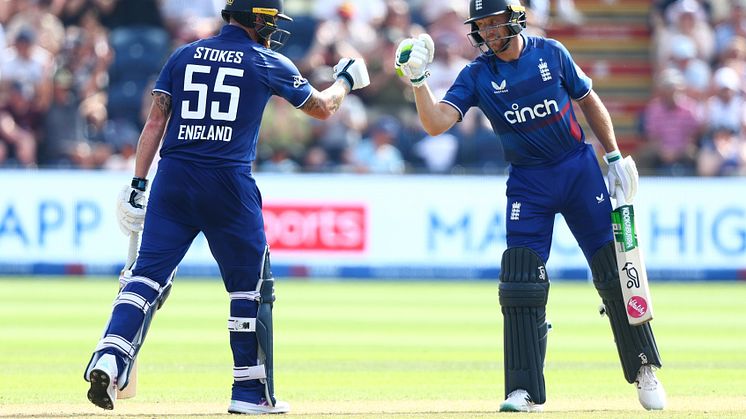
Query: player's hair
[[480, 9], [260, 15]]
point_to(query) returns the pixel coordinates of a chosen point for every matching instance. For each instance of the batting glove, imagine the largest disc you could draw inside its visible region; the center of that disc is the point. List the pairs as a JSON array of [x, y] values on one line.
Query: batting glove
[[131, 205], [353, 71], [412, 57], [623, 177]]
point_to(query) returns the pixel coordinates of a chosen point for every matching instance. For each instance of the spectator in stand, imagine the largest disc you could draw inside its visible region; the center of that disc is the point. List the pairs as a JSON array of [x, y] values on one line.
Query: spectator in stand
[[30, 65], [687, 18], [565, 11], [734, 25], [188, 21], [344, 130], [438, 152], [17, 122], [397, 22], [316, 160], [64, 126], [283, 127], [697, 73], [3, 43], [38, 14], [130, 13], [479, 150], [87, 55], [725, 108], [279, 162], [368, 11], [671, 126], [445, 18], [377, 154], [723, 153], [446, 65], [341, 36]]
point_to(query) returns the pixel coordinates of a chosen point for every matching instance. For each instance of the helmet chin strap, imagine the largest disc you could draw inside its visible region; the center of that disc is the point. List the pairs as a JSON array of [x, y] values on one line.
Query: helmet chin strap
[[506, 45]]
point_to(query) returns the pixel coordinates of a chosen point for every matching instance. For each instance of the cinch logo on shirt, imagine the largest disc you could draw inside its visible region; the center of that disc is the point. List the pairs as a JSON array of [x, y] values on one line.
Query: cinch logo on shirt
[[540, 110]]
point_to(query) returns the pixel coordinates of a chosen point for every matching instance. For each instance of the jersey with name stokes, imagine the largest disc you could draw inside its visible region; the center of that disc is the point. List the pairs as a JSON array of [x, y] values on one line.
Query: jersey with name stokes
[[219, 87], [528, 101]]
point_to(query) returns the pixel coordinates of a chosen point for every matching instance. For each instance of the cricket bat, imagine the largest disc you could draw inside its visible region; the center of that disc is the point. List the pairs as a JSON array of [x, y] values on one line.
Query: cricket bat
[[630, 263], [131, 389]]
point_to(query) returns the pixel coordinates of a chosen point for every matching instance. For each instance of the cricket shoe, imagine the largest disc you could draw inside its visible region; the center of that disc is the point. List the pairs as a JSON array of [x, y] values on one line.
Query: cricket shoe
[[103, 378], [520, 401], [261, 408], [649, 389]]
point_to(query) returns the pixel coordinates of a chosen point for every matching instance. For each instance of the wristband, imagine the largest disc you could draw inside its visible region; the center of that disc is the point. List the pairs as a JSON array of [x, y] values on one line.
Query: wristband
[[613, 156], [139, 183]]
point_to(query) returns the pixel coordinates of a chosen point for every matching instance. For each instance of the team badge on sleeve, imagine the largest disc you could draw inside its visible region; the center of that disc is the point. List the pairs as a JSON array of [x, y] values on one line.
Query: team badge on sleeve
[[299, 81]]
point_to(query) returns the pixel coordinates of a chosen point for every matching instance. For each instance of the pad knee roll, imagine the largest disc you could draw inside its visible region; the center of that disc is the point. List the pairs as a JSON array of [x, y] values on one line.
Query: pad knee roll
[[524, 290], [635, 344]]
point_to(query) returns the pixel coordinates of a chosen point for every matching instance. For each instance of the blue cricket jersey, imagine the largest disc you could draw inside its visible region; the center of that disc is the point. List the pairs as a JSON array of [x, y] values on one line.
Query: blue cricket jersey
[[219, 87], [528, 101]]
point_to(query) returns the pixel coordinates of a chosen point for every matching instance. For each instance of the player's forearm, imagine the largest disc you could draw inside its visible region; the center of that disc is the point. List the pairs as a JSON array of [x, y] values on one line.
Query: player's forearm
[[324, 104], [150, 141], [434, 120], [152, 133], [599, 120]]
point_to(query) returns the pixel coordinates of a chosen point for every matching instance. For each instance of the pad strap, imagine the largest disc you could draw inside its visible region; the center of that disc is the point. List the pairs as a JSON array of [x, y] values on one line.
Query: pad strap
[[245, 295], [134, 299], [256, 372], [117, 342], [242, 324]]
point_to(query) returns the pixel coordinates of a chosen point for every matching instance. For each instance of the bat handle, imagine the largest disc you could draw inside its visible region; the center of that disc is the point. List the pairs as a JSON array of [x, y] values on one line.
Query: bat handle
[[132, 250], [619, 196]]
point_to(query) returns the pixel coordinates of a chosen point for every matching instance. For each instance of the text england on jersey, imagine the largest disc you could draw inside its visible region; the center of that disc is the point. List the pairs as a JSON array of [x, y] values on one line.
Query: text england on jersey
[[205, 132]]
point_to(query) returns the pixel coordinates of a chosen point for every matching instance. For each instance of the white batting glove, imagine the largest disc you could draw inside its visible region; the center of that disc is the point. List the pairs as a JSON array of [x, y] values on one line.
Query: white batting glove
[[623, 177], [353, 71], [131, 204], [412, 57]]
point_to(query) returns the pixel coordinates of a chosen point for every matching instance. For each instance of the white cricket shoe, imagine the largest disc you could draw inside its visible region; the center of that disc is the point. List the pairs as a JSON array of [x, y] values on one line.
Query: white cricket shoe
[[246, 408], [103, 378], [649, 389], [520, 401]]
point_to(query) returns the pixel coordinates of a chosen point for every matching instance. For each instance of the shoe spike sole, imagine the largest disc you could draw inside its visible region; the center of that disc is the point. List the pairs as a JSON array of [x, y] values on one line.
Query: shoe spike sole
[[97, 393]]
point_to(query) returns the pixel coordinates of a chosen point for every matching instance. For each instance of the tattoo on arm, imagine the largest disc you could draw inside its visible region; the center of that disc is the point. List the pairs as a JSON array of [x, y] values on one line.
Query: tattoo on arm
[[335, 101], [163, 101], [313, 103], [326, 100]]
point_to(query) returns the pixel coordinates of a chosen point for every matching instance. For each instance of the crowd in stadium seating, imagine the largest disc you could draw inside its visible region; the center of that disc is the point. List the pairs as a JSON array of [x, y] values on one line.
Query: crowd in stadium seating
[[75, 77], [696, 121]]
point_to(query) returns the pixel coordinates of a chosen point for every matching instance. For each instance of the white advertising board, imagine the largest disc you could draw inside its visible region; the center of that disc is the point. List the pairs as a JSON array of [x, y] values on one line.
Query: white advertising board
[[372, 226]]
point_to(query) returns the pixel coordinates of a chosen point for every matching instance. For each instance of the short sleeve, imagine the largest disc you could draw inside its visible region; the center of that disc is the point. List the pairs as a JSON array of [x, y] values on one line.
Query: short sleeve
[[164, 83], [461, 95], [577, 82], [286, 81]]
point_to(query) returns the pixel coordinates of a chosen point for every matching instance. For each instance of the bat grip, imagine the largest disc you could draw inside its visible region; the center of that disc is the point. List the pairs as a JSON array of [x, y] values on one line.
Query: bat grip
[[619, 196], [132, 249]]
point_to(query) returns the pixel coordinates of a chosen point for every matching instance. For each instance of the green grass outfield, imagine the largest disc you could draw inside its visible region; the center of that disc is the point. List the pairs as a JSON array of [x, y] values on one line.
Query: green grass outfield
[[369, 350]]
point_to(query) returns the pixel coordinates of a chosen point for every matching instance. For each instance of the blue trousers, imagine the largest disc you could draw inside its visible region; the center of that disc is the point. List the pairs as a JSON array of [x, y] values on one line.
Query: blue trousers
[[223, 203], [573, 187]]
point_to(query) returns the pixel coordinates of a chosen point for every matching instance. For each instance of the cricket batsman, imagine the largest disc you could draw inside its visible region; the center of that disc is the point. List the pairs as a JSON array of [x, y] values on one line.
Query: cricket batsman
[[526, 86], [207, 107]]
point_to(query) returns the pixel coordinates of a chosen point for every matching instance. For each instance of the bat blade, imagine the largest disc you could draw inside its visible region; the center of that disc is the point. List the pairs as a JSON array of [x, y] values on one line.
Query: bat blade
[[631, 265], [131, 390]]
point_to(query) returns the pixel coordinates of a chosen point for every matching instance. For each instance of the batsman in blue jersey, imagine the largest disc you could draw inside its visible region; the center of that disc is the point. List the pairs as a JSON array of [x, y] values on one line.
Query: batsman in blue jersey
[[207, 107], [526, 87]]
